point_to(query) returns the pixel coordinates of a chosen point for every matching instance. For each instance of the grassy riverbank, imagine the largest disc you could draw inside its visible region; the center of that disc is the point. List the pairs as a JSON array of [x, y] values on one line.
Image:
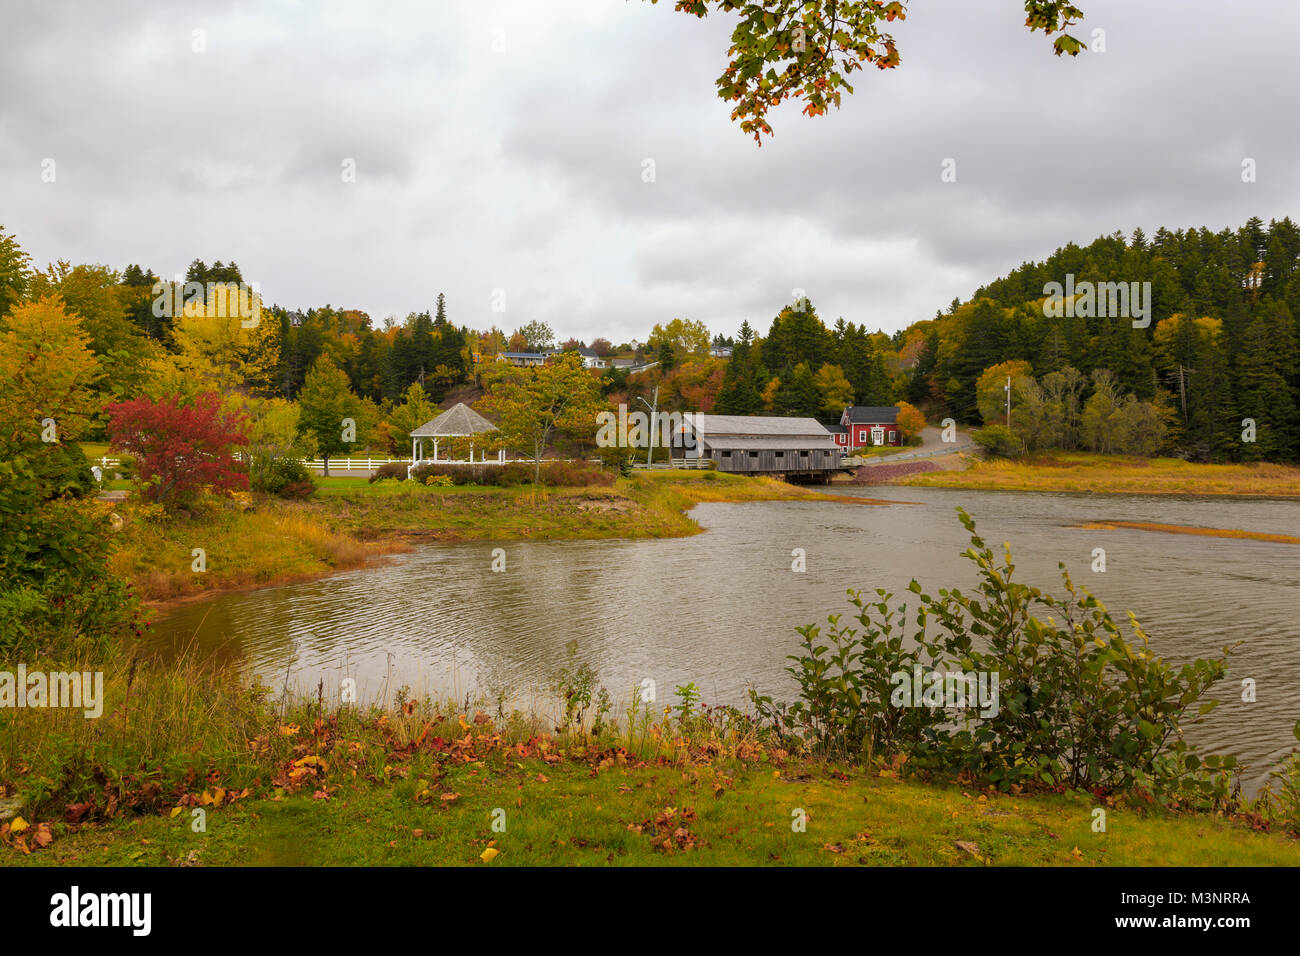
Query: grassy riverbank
[[187, 763], [422, 784], [254, 543], [1115, 474], [580, 815]]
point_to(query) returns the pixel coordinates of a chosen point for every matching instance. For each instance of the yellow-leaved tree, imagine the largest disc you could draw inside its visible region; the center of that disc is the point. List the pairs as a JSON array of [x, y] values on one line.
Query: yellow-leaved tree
[[536, 406], [223, 344], [990, 388], [47, 371]]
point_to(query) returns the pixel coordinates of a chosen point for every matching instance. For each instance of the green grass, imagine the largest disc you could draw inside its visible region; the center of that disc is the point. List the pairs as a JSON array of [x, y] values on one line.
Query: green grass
[[314, 781], [711, 815], [95, 450]]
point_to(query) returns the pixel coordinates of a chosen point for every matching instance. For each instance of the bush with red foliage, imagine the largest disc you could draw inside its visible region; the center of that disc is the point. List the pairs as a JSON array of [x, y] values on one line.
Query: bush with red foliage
[[180, 450]]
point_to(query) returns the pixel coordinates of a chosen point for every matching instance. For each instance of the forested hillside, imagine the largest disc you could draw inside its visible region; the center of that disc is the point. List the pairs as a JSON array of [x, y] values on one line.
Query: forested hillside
[[1218, 346]]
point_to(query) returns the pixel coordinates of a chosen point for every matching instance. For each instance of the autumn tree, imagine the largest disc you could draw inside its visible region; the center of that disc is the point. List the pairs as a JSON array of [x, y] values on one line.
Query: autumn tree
[[533, 406], [15, 272], [685, 337], [910, 421], [835, 390], [1118, 423], [538, 336], [96, 295], [329, 412], [47, 371], [223, 341], [806, 50], [181, 448], [990, 389], [273, 429], [410, 414]]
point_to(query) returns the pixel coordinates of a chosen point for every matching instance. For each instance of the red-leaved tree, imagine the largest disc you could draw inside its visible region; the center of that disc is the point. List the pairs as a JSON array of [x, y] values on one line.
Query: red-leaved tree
[[180, 449]]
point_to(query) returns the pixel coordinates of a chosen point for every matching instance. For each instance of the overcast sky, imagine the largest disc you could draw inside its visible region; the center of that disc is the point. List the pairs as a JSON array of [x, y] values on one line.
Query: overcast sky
[[500, 146]]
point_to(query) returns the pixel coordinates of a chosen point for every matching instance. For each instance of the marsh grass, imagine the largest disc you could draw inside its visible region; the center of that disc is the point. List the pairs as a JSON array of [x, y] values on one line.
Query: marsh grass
[[259, 541], [1116, 474]]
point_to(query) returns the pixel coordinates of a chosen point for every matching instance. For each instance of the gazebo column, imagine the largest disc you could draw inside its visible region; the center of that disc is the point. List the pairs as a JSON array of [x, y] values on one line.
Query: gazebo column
[[435, 449]]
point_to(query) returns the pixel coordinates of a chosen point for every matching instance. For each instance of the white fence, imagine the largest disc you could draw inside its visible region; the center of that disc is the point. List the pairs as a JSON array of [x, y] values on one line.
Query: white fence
[[352, 462], [687, 463], [355, 463], [348, 463]]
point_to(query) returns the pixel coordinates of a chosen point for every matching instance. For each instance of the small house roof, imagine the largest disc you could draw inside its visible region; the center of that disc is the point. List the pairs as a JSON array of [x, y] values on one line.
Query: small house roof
[[871, 414], [458, 421]]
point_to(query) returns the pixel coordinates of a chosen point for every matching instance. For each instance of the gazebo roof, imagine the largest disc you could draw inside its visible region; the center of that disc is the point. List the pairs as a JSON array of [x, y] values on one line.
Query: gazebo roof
[[459, 421]]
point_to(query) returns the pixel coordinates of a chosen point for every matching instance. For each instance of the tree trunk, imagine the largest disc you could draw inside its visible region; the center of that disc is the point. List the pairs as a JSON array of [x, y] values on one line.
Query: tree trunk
[[325, 463]]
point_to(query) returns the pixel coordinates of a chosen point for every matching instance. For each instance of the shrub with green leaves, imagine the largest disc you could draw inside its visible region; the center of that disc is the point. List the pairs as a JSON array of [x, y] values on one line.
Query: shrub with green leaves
[[56, 594], [284, 477], [60, 468], [1079, 704], [999, 441], [1280, 800]]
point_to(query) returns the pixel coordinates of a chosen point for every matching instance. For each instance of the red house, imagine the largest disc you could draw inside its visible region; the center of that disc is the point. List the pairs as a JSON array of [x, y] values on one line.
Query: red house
[[869, 425]]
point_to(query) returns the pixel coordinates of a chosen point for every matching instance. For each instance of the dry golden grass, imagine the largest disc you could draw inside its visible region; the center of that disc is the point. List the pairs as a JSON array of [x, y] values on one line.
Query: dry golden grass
[[1190, 529], [275, 543], [1117, 474]]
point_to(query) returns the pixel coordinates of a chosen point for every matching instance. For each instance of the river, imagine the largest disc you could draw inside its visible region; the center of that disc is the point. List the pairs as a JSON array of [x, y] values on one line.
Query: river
[[719, 609]]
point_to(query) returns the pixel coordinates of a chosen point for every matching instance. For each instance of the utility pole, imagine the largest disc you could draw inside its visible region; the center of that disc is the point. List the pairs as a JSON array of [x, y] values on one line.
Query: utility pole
[[1182, 376], [654, 415], [1007, 387]]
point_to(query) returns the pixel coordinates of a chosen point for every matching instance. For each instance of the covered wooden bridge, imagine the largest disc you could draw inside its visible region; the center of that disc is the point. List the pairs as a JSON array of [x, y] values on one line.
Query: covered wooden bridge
[[792, 448]]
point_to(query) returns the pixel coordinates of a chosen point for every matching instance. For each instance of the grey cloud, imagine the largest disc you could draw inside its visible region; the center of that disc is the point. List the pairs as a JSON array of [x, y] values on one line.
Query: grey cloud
[[500, 145]]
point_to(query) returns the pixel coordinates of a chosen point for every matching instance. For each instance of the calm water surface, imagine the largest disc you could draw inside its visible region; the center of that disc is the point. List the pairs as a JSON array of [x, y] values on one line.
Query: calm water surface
[[720, 608]]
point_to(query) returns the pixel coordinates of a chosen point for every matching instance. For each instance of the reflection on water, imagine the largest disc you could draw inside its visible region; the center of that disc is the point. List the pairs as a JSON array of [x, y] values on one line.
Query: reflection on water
[[720, 608]]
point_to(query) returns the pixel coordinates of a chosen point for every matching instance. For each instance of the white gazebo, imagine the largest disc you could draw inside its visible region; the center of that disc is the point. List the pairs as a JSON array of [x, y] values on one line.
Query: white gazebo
[[459, 421]]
